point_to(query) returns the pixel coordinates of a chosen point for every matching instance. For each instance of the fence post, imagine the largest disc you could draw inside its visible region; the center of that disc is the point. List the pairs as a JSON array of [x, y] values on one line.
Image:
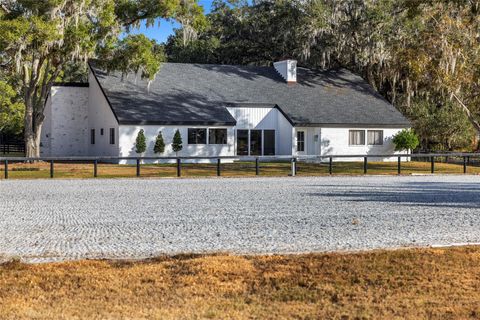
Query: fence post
[[138, 167], [293, 167], [399, 165], [179, 168], [51, 169], [257, 167], [464, 164], [95, 163], [6, 169], [365, 165], [432, 164], [218, 167], [330, 166]]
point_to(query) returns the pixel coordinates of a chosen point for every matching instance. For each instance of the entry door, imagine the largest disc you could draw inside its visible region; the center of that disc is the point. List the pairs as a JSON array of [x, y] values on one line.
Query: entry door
[[301, 142]]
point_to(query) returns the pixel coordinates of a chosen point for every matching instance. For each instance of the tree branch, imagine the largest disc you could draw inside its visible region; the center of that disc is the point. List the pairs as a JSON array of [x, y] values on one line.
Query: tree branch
[[469, 114]]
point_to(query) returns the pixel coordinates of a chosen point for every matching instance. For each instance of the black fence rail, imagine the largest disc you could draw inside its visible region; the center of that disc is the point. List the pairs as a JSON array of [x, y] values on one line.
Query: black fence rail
[[465, 159]]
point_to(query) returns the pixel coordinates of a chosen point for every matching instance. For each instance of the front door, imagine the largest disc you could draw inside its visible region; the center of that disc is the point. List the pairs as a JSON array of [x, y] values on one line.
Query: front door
[[301, 145]]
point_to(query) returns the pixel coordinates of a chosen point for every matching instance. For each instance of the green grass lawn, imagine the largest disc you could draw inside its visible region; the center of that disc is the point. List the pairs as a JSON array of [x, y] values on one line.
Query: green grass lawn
[[237, 169]]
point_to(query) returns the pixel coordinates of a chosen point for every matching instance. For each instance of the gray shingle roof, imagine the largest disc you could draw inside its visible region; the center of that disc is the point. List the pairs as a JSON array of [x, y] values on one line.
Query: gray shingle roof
[[197, 94]]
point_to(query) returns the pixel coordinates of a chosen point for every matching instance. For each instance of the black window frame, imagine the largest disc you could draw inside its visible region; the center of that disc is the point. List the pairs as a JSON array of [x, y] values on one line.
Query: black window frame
[[213, 137], [256, 143], [112, 135], [194, 136], [243, 134], [269, 134], [92, 136]]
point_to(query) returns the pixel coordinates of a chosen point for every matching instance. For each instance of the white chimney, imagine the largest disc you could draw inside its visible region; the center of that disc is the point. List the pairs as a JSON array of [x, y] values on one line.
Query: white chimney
[[287, 69]]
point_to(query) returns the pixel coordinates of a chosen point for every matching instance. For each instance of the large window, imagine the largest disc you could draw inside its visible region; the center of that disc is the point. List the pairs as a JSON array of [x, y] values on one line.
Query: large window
[[356, 137], [217, 136], [375, 137], [197, 136], [300, 141], [92, 136], [255, 142], [112, 135], [242, 142]]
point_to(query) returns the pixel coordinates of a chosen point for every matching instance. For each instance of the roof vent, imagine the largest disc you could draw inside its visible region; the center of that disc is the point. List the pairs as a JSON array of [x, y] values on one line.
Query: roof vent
[[287, 69]]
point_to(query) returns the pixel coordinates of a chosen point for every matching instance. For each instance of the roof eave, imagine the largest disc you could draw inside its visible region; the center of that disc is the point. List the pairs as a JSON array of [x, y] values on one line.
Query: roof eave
[[178, 123]]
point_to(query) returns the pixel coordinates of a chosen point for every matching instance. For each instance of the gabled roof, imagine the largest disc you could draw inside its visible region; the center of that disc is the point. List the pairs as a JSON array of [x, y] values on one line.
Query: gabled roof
[[198, 94]]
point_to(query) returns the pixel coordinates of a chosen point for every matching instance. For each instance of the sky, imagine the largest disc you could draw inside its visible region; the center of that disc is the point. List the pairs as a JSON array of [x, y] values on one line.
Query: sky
[[162, 31]]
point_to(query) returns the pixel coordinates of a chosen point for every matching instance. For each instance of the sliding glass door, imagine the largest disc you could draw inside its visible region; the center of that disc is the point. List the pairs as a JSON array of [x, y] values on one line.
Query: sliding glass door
[[255, 142], [269, 142], [242, 142]]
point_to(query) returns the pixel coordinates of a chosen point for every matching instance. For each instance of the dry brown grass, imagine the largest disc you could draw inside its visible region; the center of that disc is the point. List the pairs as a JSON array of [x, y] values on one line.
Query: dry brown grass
[[401, 284], [243, 169]]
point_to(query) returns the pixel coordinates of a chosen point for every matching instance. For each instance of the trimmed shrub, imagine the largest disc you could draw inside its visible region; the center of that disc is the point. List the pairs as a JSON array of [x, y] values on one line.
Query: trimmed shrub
[[159, 144], [177, 142], [140, 142]]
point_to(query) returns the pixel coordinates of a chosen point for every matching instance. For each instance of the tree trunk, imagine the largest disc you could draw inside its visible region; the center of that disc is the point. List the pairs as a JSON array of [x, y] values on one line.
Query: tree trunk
[[475, 123], [33, 129], [32, 141]]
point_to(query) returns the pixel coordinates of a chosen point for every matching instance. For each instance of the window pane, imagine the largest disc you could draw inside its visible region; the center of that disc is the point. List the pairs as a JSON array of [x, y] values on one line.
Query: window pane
[[269, 142], [255, 142], [92, 136], [375, 137], [242, 142], [112, 136], [356, 137], [197, 136], [300, 141], [217, 136]]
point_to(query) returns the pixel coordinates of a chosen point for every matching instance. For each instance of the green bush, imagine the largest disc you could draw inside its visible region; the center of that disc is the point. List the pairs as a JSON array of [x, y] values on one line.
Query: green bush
[[177, 142], [140, 142], [405, 140], [159, 144]]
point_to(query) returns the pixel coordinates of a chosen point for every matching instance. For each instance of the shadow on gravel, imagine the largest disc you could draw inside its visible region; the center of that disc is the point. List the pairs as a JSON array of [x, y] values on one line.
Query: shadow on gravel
[[425, 194]]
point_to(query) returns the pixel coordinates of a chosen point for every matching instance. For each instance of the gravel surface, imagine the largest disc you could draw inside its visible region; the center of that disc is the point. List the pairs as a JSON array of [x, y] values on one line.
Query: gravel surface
[[45, 220]]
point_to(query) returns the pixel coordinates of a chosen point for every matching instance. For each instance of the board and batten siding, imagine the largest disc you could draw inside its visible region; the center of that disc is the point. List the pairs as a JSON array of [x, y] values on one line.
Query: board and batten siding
[[64, 131], [100, 116], [265, 118]]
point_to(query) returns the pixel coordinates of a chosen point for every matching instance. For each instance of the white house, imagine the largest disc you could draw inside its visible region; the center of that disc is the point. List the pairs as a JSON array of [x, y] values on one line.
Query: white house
[[221, 110]]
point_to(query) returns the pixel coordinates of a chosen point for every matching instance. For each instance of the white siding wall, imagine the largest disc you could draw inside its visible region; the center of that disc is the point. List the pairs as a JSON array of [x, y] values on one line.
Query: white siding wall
[[64, 132], [284, 141], [247, 118], [128, 135], [100, 116], [334, 141]]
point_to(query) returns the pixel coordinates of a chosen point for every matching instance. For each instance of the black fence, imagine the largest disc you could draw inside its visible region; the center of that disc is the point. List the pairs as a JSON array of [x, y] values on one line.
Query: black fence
[[10, 145], [464, 158]]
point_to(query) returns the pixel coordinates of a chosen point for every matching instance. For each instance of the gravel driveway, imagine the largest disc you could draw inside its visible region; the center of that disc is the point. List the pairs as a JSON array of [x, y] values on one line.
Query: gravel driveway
[[43, 220]]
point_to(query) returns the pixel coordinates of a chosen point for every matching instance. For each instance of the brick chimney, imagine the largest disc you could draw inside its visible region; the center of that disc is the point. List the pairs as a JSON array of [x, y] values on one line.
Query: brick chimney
[[287, 69]]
